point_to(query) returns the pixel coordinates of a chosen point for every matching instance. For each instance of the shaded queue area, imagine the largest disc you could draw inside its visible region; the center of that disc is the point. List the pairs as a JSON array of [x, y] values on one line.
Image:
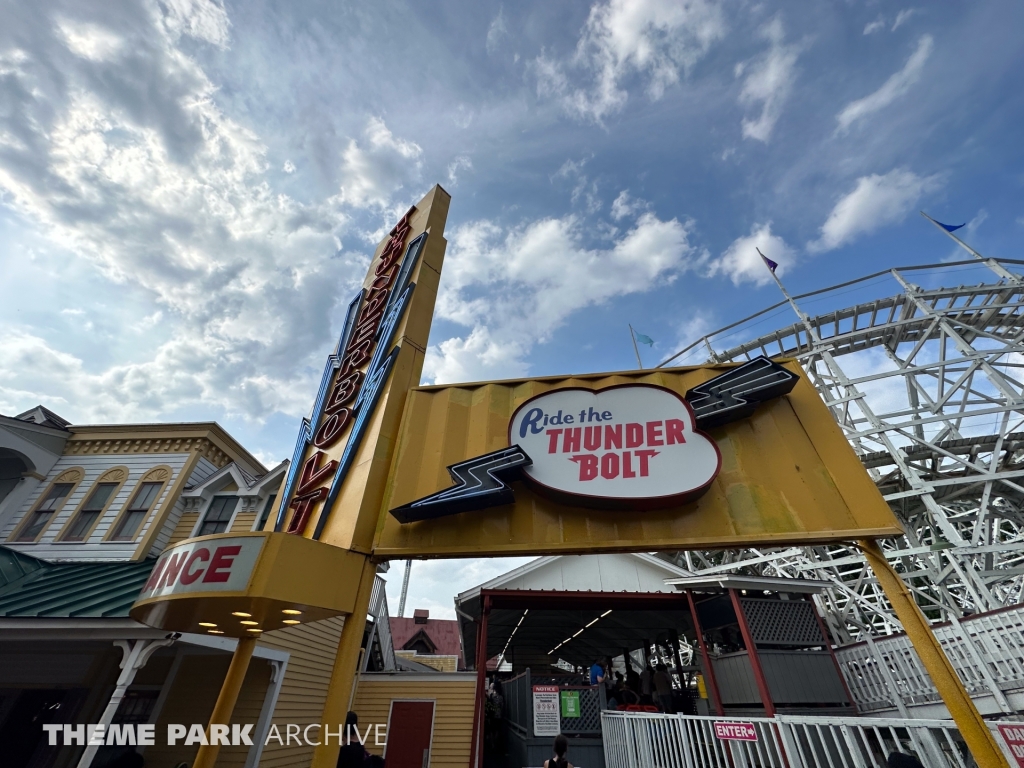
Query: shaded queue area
[[663, 640]]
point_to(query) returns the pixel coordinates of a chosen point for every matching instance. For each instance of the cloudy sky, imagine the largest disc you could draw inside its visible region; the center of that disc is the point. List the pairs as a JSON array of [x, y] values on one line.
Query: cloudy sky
[[190, 190]]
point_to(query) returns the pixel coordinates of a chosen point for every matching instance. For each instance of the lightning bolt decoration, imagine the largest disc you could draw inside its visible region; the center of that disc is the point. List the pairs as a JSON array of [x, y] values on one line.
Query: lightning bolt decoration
[[480, 482], [736, 394]]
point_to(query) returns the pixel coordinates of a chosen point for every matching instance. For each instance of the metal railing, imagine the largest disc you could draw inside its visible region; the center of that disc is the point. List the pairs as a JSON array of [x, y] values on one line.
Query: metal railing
[[642, 740], [986, 650]]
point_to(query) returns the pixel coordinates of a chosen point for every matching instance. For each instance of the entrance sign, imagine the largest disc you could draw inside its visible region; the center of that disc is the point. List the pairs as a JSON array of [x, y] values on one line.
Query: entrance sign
[[735, 731], [546, 711], [788, 474], [632, 445], [198, 565]]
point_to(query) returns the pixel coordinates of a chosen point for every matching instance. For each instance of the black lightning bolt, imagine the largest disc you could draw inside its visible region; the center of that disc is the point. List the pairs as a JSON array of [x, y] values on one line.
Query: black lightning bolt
[[480, 482], [736, 394]]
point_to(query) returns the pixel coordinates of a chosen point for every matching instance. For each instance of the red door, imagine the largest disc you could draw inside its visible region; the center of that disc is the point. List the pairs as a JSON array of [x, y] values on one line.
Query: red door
[[409, 732]]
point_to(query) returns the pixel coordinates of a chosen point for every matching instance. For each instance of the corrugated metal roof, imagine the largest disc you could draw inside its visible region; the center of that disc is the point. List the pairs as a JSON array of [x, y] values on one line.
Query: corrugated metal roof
[[76, 590]]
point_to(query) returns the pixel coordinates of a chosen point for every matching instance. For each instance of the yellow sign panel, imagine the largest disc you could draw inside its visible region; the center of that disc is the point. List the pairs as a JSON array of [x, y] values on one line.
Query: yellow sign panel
[[242, 584], [788, 476]]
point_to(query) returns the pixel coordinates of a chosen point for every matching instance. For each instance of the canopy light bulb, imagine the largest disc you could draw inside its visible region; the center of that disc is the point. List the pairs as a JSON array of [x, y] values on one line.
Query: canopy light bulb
[[252, 629], [243, 614], [214, 632], [250, 623], [291, 621], [206, 624], [291, 612]]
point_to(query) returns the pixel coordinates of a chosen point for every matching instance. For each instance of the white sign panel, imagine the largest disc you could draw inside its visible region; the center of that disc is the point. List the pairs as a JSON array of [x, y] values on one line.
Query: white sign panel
[[213, 565], [632, 445], [546, 714]]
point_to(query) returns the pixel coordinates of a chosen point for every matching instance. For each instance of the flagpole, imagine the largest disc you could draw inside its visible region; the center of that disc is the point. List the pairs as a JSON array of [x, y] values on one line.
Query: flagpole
[[953, 237], [992, 264], [632, 335], [804, 318]]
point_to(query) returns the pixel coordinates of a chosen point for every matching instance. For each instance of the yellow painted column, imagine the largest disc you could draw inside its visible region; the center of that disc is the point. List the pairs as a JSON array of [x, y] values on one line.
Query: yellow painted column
[[226, 699], [344, 672], [979, 738]]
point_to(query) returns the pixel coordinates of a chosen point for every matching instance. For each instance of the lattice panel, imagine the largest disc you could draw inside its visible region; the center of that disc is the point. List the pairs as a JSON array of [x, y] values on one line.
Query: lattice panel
[[782, 622], [589, 720]]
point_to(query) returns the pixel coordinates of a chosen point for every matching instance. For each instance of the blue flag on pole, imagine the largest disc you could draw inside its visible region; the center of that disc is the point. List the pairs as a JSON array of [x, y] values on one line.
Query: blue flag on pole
[[772, 265], [644, 339], [950, 227]]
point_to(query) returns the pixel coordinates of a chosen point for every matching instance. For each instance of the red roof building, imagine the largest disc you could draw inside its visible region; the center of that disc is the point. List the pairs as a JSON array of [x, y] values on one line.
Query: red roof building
[[427, 636]]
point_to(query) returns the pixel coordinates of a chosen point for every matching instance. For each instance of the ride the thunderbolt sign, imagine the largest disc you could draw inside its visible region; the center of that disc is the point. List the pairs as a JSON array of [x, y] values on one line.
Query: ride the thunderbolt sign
[[629, 446]]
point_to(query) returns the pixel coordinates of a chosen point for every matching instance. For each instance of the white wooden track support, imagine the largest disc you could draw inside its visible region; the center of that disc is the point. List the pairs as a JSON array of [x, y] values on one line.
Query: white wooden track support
[[928, 385]]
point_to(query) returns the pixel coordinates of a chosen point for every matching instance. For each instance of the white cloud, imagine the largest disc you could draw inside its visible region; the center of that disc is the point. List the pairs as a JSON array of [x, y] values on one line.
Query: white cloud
[[458, 164], [90, 41], [372, 173], [204, 20], [624, 205], [512, 288], [652, 39], [288, 167], [496, 31], [893, 88], [903, 17], [769, 80], [741, 263], [137, 172], [875, 26], [875, 201]]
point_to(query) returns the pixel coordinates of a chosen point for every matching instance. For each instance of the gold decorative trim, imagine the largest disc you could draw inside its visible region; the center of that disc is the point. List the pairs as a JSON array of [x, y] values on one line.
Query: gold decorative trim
[[73, 475], [202, 445]]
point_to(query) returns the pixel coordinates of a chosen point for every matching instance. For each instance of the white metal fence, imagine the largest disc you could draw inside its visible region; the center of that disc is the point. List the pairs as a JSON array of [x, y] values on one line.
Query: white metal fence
[[987, 652], [641, 740]]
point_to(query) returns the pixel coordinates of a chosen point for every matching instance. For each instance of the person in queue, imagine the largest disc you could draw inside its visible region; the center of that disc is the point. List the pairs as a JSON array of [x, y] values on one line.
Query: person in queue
[[561, 747]]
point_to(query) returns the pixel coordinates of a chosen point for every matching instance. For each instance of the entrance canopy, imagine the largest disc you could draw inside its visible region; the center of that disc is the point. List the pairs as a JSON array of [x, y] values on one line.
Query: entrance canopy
[[577, 608]]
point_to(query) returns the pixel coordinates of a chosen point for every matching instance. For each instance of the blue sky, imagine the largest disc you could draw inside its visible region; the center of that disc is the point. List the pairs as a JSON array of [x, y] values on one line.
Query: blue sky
[[190, 191]]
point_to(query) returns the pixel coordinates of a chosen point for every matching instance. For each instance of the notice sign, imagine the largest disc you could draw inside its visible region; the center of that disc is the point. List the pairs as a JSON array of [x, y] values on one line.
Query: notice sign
[[570, 703], [1013, 735], [545, 711], [626, 445], [736, 731]]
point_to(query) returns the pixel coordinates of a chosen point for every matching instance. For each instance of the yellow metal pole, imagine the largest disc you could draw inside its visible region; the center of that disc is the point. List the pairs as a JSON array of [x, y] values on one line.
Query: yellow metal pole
[[343, 676], [979, 738], [226, 699]]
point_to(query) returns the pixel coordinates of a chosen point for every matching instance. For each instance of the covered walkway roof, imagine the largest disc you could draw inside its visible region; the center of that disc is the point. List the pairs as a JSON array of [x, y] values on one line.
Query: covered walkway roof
[[577, 607]]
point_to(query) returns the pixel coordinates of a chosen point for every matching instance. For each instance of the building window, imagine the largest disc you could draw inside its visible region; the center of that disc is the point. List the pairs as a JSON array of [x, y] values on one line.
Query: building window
[[266, 512], [218, 515], [137, 511], [90, 511], [42, 514]]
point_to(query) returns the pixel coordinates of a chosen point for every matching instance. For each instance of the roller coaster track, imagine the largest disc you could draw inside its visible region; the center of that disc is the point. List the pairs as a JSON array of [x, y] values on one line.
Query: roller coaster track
[[928, 386]]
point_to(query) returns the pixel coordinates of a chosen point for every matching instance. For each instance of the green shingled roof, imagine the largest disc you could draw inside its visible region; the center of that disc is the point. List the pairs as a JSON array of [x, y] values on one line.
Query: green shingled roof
[[76, 590]]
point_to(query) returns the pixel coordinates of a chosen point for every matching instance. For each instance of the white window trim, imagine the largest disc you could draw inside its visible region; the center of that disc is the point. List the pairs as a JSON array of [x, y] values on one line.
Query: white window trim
[[206, 509]]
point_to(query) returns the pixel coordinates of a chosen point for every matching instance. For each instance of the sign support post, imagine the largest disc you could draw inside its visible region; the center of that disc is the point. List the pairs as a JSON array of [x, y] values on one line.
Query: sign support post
[[979, 739], [226, 699], [343, 676]]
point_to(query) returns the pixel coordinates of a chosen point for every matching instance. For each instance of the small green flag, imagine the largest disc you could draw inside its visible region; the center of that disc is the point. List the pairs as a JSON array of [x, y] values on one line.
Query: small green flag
[[644, 339]]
